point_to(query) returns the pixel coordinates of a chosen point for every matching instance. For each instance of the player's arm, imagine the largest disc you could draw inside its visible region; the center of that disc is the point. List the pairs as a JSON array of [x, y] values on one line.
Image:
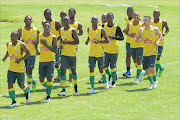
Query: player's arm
[[36, 45], [80, 29], [166, 26], [88, 40], [119, 35], [75, 37], [158, 33], [139, 38], [126, 31], [103, 32], [7, 54], [26, 50], [20, 34]]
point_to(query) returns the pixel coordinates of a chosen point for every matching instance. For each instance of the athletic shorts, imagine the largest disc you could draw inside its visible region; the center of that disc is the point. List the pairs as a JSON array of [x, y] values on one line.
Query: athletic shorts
[[110, 59], [68, 61], [46, 69], [149, 61], [128, 49], [160, 49], [92, 62], [12, 76], [29, 62], [137, 53]]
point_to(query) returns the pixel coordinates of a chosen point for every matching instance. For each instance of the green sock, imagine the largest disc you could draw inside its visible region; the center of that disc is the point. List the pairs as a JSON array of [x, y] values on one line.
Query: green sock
[[75, 79], [12, 95], [26, 90], [92, 82], [59, 72], [157, 68], [138, 73], [108, 72], [49, 88], [113, 76], [63, 82], [45, 84], [34, 81], [161, 67], [104, 78], [150, 79]]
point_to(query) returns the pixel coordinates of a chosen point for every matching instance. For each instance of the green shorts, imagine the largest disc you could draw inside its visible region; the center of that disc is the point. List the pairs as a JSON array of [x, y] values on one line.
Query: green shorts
[[29, 62], [110, 59], [12, 76], [68, 61], [137, 53], [46, 69], [149, 61], [92, 62]]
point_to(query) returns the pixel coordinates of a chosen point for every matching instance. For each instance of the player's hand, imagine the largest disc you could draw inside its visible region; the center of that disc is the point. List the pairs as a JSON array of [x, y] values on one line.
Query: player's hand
[[43, 42], [156, 44], [18, 61], [163, 34], [34, 41], [37, 53], [61, 47], [110, 37], [4, 59], [132, 35], [65, 42], [56, 65], [86, 42], [22, 40], [96, 42]]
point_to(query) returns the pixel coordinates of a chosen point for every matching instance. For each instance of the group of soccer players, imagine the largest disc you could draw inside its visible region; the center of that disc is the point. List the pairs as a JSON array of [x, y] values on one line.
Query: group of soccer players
[[59, 45]]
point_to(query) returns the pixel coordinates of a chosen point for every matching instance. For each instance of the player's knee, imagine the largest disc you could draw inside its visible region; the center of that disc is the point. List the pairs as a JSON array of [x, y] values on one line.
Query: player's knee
[[158, 57], [101, 70], [10, 85], [73, 71], [21, 86], [49, 79], [41, 79]]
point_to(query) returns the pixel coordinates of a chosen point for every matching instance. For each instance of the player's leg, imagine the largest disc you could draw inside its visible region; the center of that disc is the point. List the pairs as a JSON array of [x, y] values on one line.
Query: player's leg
[[30, 78], [158, 63], [57, 65], [69, 82], [139, 55], [92, 65], [113, 60], [11, 80], [106, 64], [20, 79], [103, 73], [128, 60], [42, 73], [152, 60]]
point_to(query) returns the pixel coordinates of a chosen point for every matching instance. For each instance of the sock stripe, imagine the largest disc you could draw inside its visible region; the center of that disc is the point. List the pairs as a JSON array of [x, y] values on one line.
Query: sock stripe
[[50, 83], [43, 82], [91, 73], [24, 88], [103, 73], [11, 89], [113, 69]]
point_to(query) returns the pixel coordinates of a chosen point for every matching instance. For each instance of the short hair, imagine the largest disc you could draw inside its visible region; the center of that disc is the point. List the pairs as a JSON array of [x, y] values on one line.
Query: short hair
[[15, 32], [27, 16], [148, 17], [47, 10], [130, 9], [73, 10], [46, 22], [110, 13]]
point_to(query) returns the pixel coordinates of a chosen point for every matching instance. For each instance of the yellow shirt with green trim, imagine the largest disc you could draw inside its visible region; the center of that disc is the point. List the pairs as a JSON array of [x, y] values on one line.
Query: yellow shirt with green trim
[[127, 21], [45, 54], [96, 50], [68, 49], [14, 54]]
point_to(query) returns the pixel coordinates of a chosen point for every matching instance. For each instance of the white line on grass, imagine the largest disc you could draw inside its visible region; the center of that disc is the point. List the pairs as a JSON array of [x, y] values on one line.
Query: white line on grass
[[88, 78]]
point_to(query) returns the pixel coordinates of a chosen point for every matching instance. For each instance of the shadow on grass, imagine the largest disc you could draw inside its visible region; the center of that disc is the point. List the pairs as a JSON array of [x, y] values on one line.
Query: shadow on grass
[[7, 107], [126, 84], [125, 77], [94, 83], [138, 90]]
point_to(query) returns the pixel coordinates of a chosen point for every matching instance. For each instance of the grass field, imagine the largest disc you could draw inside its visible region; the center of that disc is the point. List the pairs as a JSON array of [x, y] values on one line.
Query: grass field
[[126, 101]]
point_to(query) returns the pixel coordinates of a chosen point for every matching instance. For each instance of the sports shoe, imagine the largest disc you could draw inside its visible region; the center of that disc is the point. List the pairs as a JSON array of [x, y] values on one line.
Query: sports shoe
[[101, 81], [47, 99], [154, 84], [127, 74], [150, 87], [14, 104], [113, 84], [28, 97], [91, 91], [106, 86], [160, 72], [34, 85], [136, 81], [57, 78], [76, 93], [68, 84], [62, 93], [142, 75]]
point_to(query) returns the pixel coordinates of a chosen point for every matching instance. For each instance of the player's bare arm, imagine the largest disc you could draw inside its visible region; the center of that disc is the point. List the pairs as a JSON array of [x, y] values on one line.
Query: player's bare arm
[[7, 54], [126, 31], [20, 33], [87, 41], [139, 38], [80, 29], [158, 33], [36, 45], [166, 26], [75, 37]]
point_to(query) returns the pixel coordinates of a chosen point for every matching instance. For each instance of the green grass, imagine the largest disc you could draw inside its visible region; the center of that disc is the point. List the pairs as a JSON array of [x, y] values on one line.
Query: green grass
[[126, 101]]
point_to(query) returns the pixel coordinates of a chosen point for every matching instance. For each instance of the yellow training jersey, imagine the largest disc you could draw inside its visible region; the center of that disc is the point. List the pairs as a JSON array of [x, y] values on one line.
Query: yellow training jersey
[[127, 21], [74, 25], [28, 36], [14, 54], [96, 50], [112, 46], [68, 49], [149, 41], [45, 54], [158, 25], [134, 29]]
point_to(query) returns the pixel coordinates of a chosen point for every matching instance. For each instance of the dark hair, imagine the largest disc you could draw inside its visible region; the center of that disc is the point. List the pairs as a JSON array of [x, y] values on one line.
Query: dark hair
[[47, 10], [46, 22], [110, 13], [73, 10], [130, 9]]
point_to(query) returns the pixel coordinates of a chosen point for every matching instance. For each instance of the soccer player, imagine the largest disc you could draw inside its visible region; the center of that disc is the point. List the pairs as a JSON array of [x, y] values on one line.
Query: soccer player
[[136, 47], [128, 19], [62, 15], [103, 19], [79, 29], [69, 41], [157, 22], [15, 49], [147, 34], [95, 34], [28, 35], [48, 48], [114, 34], [55, 27]]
